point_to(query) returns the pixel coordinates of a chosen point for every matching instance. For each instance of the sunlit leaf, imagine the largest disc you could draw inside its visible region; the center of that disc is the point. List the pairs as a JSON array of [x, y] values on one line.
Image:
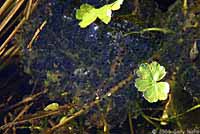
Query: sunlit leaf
[[84, 9], [157, 91], [52, 107], [149, 75], [62, 120], [116, 5], [104, 14], [88, 18], [142, 85], [88, 14]]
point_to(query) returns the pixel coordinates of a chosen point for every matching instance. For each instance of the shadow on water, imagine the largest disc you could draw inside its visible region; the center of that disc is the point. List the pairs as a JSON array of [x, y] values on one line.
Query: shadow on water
[[14, 84]]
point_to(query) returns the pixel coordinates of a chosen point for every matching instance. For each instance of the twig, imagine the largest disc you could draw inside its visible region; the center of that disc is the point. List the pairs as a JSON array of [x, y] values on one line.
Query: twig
[[92, 104], [11, 14], [9, 51], [187, 111], [12, 34], [25, 109], [149, 120], [151, 29], [38, 115], [9, 58], [105, 124], [62, 109], [6, 103], [27, 99], [1, 52], [5, 6], [36, 34], [28, 11], [175, 116], [130, 123], [7, 28], [185, 7], [4, 45], [117, 61]]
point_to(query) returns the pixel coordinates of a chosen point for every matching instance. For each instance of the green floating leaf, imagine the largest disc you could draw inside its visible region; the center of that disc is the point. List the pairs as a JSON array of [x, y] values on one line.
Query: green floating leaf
[[84, 9], [88, 18], [116, 5], [52, 107], [88, 14], [104, 14], [149, 75]]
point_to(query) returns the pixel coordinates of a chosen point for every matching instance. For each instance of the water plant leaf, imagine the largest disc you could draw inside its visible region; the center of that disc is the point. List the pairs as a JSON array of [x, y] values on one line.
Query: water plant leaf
[[84, 9], [88, 18], [149, 75], [104, 14], [116, 5], [88, 14], [52, 107], [63, 119]]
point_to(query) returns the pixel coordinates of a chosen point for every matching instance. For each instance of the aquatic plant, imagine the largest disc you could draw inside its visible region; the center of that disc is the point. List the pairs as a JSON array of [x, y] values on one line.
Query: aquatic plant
[[89, 73], [52, 107], [88, 14], [149, 75]]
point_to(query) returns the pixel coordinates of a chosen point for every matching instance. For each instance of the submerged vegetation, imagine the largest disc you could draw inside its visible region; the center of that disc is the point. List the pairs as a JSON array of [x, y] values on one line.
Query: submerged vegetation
[[88, 77]]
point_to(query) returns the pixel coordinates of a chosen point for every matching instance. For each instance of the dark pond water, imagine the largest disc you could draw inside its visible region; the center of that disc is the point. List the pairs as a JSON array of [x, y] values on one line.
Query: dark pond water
[[86, 63]]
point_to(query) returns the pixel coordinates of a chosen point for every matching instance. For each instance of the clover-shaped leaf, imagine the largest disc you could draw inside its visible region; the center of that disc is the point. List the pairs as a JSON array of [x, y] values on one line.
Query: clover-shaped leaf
[[88, 14], [84, 9], [148, 82]]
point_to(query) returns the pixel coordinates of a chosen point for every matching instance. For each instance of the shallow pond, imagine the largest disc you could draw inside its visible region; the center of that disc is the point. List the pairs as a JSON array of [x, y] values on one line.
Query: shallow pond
[[90, 72]]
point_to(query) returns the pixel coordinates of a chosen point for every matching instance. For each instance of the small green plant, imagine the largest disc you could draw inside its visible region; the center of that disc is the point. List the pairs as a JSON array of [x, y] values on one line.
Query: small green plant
[[52, 107], [88, 14], [148, 82], [52, 77]]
